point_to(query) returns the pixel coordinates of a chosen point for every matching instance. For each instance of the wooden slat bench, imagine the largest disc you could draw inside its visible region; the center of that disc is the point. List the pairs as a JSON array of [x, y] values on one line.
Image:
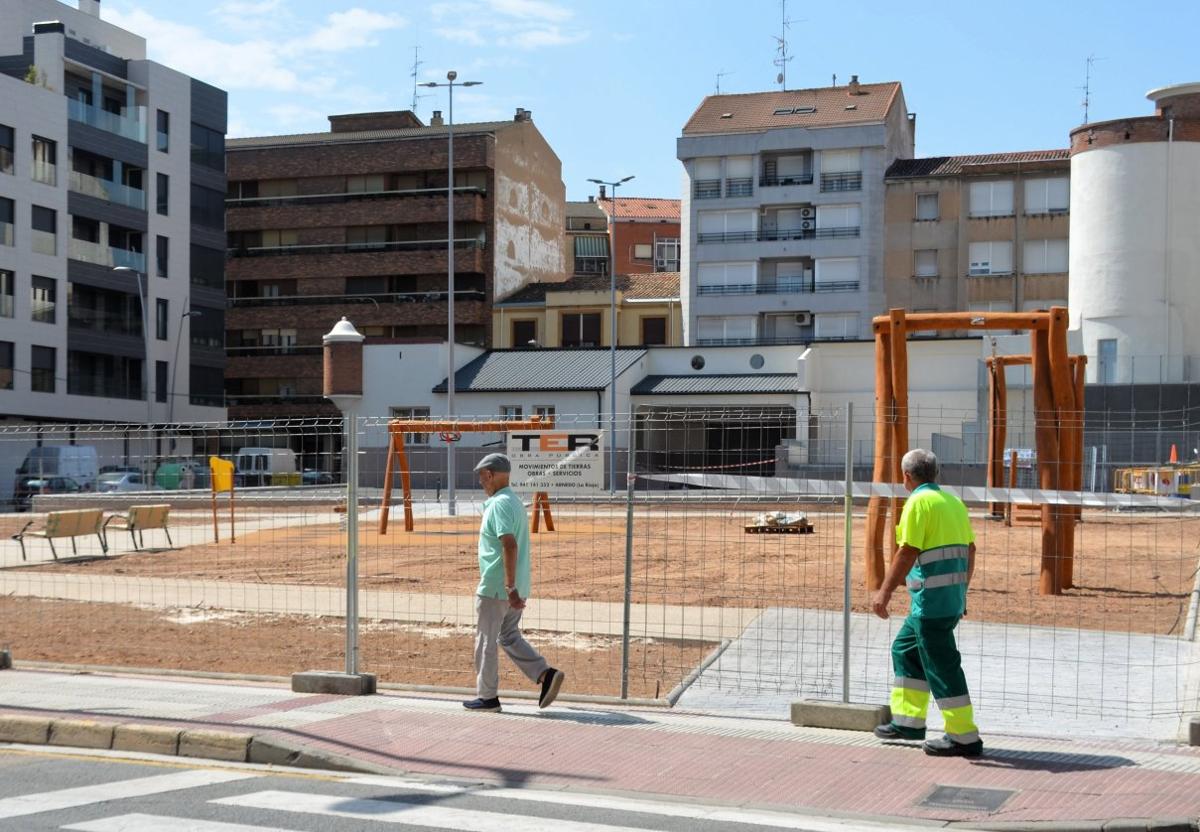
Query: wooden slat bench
[[138, 519], [71, 523]]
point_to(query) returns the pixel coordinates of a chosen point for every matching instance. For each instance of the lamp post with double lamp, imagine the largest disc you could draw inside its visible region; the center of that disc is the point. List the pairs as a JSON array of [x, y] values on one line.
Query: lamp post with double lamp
[[451, 82], [191, 313], [145, 343], [612, 330]]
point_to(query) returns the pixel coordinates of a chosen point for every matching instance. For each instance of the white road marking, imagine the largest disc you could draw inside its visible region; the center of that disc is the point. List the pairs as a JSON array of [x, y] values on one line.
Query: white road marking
[[157, 823], [414, 814], [32, 804]]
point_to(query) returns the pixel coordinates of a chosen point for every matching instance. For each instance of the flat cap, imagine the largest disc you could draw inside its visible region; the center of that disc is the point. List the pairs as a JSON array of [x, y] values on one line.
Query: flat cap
[[495, 462]]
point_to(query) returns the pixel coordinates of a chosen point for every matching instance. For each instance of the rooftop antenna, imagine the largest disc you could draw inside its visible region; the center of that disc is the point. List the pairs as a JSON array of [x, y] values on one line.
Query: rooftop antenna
[[781, 48], [1087, 86], [721, 75], [416, 67]]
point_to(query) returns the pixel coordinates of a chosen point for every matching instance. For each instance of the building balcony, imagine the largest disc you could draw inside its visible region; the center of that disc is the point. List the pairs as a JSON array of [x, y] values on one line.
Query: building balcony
[[832, 182], [44, 172], [330, 211], [353, 248], [88, 252], [128, 127], [343, 197], [45, 242], [784, 181], [739, 186], [706, 189], [363, 263], [266, 350], [92, 320], [381, 300], [775, 234], [363, 312], [780, 287], [82, 183]]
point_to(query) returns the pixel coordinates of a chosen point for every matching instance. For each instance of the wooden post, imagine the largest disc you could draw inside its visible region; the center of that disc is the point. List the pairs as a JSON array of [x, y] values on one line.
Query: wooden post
[[1047, 456], [1063, 381], [405, 481], [1078, 366], [876, 505], [541, 504], [232, 529], [385, 510], [998, 428], [216, 530], [899, 339], [1012, 483]]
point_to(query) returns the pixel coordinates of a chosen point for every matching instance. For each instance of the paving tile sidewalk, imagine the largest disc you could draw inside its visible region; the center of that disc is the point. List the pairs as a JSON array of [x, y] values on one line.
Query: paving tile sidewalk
[[743, 760]]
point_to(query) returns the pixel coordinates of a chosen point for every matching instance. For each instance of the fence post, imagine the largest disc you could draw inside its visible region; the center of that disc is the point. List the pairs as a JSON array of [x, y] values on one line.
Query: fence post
[[630, 479], [848, 503], [351, 419]]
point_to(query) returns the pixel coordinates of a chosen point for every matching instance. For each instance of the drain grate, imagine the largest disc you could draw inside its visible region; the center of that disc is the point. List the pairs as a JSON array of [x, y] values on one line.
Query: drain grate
[[967, 799]]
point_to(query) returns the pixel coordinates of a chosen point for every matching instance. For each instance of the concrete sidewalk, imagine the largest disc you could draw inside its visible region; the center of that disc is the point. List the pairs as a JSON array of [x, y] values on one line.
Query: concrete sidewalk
[[681, 754]]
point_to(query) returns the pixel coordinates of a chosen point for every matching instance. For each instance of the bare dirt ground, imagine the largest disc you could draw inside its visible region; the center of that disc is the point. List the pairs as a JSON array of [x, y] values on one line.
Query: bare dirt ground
[[1133, 572]]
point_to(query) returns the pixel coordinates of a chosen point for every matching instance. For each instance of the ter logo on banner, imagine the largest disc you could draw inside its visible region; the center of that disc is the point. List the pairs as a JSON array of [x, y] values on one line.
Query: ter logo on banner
[[563, 461]]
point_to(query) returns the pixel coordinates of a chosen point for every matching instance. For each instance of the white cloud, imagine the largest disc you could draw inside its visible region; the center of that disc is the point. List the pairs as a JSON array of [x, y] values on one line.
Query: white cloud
[[249, 15], [520, 24], [296, 115], [531, 10], [551, 36], [471, 37], [351, 29]]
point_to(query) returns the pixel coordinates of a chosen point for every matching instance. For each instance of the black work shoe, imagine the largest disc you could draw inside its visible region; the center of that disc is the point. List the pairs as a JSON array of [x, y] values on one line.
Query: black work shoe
[[551, 682], [892, 731], [946, 747], [483, 705]]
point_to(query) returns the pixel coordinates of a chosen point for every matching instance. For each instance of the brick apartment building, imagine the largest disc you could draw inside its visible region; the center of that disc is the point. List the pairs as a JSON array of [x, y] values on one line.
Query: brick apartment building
[[647, 233], [353, 222]]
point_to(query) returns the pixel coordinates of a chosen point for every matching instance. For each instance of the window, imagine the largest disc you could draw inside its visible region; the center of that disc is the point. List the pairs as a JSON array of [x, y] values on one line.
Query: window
[[1106, 366], [544, 411], [839, 216], [208, 147], [739, 176], [45, 236], [927, 207], [45, 153], [163, 193], [841, 161], [108, 376], [726, 226], [412, 413], [511, 412], [42, 296], [836, 326], [990, 306], [7, 293], [581, 329], [161, 382], [725, 278], [370, 183], [41, 369], [990, 258], [7, 209], [1042, 303], [164, 130], [991, 199], [162, 319], [666, 254], [161, 252], [925, 262], [282, 341], [1045, 257], [524, 333], [1048, 196], [6, 365], [654, 331], [725, 330], [706, 179], [366, 237], [643, 251], [834, 273], [208, 208], [207, 267], [6, 149]]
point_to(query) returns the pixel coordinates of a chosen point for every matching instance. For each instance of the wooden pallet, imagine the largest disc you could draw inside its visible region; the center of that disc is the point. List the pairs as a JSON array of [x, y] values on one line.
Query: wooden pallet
[[793, 528]]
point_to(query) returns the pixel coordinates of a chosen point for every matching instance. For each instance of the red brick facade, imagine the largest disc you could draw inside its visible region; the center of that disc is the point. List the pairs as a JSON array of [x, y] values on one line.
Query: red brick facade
[[631, 234]]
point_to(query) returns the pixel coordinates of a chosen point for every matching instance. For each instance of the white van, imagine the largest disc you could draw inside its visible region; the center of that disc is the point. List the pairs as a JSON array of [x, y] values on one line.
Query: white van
[[266, 466], [78, 463]]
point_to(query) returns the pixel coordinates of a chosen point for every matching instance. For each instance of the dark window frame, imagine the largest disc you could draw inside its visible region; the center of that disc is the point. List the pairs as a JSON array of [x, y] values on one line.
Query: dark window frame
[[162, 252], [519, 340], [47, 312], [42, 378], [162, 319], [582, 322], [162, 194], [658, 320]]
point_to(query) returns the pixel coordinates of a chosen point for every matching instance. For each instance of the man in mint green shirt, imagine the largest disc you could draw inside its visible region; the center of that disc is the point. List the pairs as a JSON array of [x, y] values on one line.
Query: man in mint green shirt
[[504, 585]]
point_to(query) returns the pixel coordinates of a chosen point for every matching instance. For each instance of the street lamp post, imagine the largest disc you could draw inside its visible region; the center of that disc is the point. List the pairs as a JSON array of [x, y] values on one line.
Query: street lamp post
[[191, 313], [612, 331], [451, 83]]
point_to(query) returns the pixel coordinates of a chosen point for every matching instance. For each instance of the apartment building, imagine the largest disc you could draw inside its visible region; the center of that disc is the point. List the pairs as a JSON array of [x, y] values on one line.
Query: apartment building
[[353, 222], [107, 160], [782, 215], [646, 232], [587, 238], [575, 314], [981, 233]]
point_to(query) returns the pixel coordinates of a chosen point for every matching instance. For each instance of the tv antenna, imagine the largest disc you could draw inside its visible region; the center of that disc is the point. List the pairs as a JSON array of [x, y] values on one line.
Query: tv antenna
[[1087, 86], [721, 75], [416, 67], [781, 48]]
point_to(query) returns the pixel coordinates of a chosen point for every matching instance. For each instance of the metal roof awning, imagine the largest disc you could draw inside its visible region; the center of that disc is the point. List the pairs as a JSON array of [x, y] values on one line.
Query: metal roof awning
[[591, 246]]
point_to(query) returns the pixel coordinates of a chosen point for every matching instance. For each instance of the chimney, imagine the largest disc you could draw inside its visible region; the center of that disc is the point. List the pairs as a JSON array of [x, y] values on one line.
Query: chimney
[[591, 198], [91, 7], [852, 87], [436, 119], [602, 196], [523, 115]]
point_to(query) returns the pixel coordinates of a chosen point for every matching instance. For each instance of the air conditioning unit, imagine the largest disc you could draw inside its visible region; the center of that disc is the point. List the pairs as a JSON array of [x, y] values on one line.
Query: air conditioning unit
[[803, 319], [807, 225], [808, 213]]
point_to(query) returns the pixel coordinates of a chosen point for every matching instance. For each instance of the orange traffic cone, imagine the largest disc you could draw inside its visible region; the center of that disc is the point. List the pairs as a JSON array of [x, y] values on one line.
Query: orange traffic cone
[[1174, 455]]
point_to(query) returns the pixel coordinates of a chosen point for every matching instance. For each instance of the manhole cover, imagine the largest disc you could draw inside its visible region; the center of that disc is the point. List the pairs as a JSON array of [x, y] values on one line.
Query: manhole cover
[[970, 800]]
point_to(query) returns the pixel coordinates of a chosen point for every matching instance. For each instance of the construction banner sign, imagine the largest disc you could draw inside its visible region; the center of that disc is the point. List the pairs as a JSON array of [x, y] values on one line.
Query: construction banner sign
[[222, 473], [557, 461]]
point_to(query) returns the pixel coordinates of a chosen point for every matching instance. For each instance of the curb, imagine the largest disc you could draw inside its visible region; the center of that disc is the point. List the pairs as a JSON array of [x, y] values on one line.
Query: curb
[[201, 744], [1111, 825]]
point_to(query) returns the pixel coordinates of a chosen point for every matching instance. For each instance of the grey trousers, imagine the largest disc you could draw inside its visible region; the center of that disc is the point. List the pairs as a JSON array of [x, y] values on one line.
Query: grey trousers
[[498, 627]]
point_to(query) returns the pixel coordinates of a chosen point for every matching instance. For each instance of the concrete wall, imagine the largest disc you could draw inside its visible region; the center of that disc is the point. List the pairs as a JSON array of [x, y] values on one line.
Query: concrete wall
[[20, 15]]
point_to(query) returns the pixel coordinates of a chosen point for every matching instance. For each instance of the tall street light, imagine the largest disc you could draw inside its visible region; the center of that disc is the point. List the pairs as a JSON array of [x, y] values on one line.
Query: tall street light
[[145, 342], [612, 329], [451, 83], [191, 313]]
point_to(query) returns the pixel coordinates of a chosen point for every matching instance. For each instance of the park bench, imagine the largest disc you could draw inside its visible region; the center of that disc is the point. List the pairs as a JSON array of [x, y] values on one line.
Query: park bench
[[138, 519], [59, 524]]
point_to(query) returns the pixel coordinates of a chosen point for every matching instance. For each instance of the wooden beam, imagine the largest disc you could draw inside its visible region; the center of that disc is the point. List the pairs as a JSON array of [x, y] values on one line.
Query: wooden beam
[[1012, 484], [997, 429], [385, 509], [1063, 380], [1047, 456], [977, 321], [877, 506], [899, 339]]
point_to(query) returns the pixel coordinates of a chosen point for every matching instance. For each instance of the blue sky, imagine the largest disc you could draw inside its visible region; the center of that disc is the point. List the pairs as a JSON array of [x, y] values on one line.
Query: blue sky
[[611, 83]]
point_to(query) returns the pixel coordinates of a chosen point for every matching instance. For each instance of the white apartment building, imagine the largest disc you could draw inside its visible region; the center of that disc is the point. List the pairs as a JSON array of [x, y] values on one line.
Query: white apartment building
[[106, 160], [782, 215]]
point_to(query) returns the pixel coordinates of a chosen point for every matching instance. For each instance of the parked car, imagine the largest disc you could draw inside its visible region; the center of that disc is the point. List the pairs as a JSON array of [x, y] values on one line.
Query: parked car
[[113, 469], [121, 481], [267, 466], [27, 487], [312, 476], [77, 462]]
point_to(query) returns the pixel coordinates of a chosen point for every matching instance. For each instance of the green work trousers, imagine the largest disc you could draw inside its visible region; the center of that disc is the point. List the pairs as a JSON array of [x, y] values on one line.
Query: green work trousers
[[926, 662]]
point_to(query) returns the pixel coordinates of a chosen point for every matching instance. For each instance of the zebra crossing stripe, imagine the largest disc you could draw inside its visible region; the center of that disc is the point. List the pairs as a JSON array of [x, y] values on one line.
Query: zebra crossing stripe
[[410, 813], [32, 804], [157, 823]]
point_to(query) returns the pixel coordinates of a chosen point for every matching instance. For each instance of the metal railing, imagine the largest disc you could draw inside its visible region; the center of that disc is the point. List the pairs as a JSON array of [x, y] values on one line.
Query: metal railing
[[89, 252], [110, 324], [740, 186], [776, 234], [377, 299], [841, 181], [130, 127], [780, 287], [345, 196], [109, 191], [780, 181], [352, 248], [706, 189], [44, 172], [273, 349]]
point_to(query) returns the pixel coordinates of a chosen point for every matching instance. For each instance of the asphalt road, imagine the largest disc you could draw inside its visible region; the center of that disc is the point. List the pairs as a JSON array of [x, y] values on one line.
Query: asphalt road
[[43, 789]]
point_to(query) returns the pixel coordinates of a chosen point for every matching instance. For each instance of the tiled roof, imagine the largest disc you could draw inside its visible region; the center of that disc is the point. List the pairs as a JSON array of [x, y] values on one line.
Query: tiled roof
[[354, 136], [633, 286], [716, 384], [642, 208], [503, 371], [821, 107], [982, 163]]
